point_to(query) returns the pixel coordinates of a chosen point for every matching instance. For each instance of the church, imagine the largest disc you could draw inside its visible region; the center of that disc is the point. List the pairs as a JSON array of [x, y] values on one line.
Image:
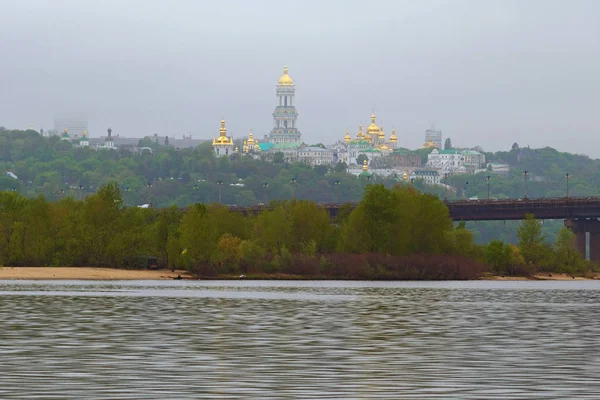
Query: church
[[372, 144], [284, 136]]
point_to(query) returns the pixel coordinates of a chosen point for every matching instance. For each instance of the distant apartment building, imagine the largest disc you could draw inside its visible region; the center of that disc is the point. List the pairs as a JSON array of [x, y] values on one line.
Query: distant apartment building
[[313, 155], [75, 126], [433, 136]]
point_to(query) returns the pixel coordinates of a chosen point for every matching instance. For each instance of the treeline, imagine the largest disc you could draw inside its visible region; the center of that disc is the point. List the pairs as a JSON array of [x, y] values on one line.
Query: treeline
[[534, 253], [168, 176], [396, 233], [56, 169]]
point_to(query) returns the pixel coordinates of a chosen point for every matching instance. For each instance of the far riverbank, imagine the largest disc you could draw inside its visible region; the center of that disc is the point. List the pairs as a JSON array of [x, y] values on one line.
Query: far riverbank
[[86, 273], [108, 274]]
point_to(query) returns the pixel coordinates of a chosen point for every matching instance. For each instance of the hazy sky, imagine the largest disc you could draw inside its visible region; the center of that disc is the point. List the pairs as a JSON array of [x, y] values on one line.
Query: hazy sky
[[488, 73]]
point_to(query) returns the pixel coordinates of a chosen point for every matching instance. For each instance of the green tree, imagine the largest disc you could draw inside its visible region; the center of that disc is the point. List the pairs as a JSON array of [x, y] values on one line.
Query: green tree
[[566, 257], [498, 256], [447, 144], [360, 160], [532, 241]]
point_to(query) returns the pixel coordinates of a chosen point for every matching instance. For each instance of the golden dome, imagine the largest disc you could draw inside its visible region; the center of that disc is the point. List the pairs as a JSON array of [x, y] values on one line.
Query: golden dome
[[251, 140], [381, 135], [236, 150], [84, 134], [285, 79], [365, 166], [360, 135], [245, 148], [256, 147], [223, 139], [429, 144], [373, 129], [347, 138], [404, 176], [393, 138], [384, 147]]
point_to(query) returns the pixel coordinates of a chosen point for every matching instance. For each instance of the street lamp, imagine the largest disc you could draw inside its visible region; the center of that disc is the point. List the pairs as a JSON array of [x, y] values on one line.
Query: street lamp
[[488, 179], [445, 186], [336, 185], [567, 175], [197, 190], [265, 186], [525, 174], [293, 182], [220, 184]]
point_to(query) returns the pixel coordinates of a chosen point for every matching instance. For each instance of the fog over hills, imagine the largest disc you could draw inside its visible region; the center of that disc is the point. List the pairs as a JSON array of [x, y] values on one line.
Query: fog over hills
[[489, 73]]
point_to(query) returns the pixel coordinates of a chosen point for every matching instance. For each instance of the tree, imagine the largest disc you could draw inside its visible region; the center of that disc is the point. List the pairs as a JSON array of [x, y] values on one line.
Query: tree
[[278, 158], [531, 240], [566, 257], [515, 147], [498, 256], [340, 167], [228, 253], [360, 160], [447, 144]]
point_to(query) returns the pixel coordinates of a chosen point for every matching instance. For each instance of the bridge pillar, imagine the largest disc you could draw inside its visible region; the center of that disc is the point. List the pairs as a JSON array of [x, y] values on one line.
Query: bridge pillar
[[587, 237]]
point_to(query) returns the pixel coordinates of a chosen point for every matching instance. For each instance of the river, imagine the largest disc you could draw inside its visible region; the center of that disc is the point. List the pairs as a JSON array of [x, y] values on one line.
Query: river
[[299, 340]]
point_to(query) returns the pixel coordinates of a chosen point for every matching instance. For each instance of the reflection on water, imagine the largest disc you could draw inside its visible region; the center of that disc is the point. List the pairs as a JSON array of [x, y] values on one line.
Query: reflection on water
[[304, 340]]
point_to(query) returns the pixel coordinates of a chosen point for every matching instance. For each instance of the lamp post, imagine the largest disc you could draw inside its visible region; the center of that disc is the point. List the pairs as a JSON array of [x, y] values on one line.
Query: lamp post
[[488, 179], [336, 185], [197, 190], [293, 182], [149, 184], [567, 175], [219, 184], [525, 175], [445, 186], [265, 186]]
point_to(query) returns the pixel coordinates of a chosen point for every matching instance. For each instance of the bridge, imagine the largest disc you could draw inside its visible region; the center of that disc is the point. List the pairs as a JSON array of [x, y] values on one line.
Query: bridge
[[581, 215]]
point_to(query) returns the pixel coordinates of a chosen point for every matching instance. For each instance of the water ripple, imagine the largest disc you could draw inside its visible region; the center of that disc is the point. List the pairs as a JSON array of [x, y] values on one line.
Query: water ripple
[[299, 340]]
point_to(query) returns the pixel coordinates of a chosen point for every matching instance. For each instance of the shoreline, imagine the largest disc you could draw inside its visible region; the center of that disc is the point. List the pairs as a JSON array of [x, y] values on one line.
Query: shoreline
[[87, 273], [113, 274]]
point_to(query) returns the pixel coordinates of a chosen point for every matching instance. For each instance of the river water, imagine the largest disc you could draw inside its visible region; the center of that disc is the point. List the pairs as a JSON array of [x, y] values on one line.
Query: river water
[[299, 340]]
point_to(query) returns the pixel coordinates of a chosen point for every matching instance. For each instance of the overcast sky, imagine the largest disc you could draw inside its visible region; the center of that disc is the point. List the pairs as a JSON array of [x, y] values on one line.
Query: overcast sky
[[488, 73]]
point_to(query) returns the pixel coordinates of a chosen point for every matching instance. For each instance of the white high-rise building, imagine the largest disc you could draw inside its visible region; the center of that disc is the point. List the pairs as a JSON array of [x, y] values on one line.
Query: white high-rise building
[[433, 136], [75, 126]]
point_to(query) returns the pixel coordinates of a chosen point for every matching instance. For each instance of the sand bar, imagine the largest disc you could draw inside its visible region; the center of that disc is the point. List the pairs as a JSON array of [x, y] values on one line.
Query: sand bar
[[86, 273]]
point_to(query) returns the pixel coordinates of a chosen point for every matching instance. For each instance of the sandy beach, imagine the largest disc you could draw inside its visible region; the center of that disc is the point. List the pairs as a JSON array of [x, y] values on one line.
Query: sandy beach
[[85, 273], [540, 277]]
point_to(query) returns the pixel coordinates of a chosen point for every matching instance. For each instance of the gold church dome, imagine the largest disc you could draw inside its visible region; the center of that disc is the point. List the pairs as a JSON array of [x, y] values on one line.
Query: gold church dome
[[429, 144], [360, 135], [223, 139], [365, 166], [373, 129], [347, 138], [381, 135], [285, 79], [384, 147], [251, 140], [393, 138]]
